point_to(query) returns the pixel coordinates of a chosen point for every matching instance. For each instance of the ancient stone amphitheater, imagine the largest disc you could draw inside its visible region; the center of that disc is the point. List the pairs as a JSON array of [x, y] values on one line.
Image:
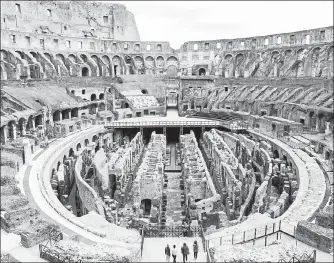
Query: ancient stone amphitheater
[[112, 147]]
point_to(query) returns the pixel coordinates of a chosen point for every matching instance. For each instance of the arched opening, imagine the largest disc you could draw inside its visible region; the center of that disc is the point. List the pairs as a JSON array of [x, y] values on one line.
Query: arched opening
[[72, 58], [86, 142], [276, 154], [58, 164], [93, 97], [146, 206], [38, 120], [97, 148], [64, 158], [126, 105], [84, 72], [94, 138], [75, 113], [160, 62], [327, 155], [144, 91], [101, 96], [65, 114], [71, 153], [113, 184], [78, 147], [201, 72]]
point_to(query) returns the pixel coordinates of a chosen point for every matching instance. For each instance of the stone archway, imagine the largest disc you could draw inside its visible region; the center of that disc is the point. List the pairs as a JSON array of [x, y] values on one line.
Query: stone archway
[[201, 72]]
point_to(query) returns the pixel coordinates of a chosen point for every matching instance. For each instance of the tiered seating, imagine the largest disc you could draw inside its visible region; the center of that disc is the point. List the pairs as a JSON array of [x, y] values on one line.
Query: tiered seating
[[216, 116], [143, 101]]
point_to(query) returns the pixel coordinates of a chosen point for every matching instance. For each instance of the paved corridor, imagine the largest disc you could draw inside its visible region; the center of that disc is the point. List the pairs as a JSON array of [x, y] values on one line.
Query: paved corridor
[[154, 249]]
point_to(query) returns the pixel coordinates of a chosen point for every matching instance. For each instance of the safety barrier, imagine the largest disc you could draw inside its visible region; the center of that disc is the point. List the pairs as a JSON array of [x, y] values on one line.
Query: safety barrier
[[255, 234]]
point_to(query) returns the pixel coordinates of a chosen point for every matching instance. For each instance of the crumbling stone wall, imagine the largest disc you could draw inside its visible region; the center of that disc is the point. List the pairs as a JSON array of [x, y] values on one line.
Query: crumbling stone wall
[[315, 236], [150, 175], [196, 174], [18, 217]]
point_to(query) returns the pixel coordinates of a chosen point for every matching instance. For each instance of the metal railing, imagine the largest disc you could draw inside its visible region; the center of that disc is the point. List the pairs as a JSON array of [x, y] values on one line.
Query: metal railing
[[311, 258], [142, 240], [254, 234], [122, 124]]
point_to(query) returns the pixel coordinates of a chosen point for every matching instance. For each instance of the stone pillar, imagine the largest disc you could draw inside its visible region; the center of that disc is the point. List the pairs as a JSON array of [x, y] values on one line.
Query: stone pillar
[[101, 139], [27, 151], [33, 123], [181, 130], [14, 131], [4, 134], [69, 114], [142, 131], [202, 132], [23, 128]]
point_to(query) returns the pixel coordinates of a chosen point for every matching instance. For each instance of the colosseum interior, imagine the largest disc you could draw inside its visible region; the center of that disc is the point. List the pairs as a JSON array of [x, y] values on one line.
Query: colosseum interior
[[113, 147]]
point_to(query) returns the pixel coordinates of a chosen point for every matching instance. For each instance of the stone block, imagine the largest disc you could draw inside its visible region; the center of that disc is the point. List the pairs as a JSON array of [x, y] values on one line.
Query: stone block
[[39, 232], [315, 236], [13, 202], [325, 217], [13, 219]]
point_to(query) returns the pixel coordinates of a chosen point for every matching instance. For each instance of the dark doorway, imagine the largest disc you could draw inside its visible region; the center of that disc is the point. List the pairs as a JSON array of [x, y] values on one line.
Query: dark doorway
[[85, 72], [115, 70], [276, 154], [112, 183], [146, 206], [173, 135], [201, 72]]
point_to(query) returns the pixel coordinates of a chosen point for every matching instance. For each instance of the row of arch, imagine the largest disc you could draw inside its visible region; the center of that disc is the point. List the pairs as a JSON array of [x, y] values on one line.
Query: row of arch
[[276, 64], [18, 128], [47, 65]]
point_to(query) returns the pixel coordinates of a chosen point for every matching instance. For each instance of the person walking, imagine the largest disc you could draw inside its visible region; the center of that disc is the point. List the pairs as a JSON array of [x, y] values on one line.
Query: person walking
[[195, 248], [174, 254], [167, 253], [185, 252]]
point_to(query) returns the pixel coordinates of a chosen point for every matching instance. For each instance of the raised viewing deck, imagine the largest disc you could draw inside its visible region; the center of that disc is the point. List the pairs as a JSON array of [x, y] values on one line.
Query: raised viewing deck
[[174, 120]]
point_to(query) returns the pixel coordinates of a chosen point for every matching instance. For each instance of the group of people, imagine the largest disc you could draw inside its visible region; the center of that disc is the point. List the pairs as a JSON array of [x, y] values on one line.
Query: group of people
[[184, 251]]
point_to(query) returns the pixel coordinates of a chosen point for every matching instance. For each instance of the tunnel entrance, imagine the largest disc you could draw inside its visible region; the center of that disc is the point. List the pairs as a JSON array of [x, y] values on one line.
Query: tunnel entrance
[[173, 135], [146, 206]]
